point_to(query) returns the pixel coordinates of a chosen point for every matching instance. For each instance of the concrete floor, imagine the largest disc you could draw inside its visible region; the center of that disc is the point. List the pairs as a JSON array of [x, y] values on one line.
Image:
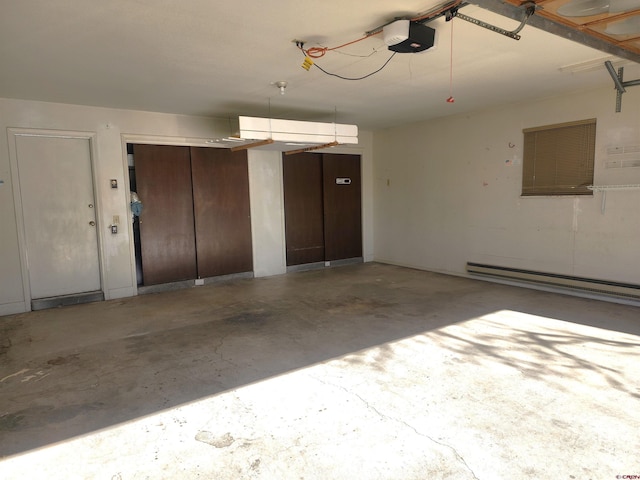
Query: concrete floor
[[359, 372]]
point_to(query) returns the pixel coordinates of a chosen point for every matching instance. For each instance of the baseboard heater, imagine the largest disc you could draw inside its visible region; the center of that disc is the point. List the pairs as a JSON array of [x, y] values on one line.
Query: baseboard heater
[[603, 287]]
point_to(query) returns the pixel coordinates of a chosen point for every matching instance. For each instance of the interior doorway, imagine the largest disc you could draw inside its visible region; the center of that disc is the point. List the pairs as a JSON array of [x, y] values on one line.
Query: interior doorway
[[59, 220]]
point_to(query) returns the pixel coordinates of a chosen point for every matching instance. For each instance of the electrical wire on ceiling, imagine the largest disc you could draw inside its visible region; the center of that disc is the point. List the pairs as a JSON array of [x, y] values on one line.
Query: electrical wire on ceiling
[[355, 78], [315, 51], [319, 52]]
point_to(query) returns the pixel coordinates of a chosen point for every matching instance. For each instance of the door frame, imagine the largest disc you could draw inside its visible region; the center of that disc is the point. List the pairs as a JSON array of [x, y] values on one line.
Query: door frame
[[13, 134]]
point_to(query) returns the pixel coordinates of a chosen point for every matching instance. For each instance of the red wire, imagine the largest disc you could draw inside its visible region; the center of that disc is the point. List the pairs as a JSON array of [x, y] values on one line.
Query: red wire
[[451, 63], [317, 52]]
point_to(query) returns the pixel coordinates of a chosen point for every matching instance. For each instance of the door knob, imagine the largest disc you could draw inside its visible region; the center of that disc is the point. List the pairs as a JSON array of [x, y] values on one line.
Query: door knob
[[92, 223], [91, 205]]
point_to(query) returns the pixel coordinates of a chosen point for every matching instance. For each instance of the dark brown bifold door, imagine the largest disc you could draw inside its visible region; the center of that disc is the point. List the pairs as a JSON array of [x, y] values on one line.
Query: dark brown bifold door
[[222, 211], [342, 206], [303, 208], [166, 225]]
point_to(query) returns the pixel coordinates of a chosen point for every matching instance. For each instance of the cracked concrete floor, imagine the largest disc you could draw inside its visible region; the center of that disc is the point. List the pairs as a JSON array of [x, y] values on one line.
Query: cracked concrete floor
[[368, 371]]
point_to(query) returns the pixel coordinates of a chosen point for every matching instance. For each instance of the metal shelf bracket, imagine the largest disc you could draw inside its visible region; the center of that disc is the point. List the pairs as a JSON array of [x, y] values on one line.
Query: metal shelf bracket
[[605, 188]]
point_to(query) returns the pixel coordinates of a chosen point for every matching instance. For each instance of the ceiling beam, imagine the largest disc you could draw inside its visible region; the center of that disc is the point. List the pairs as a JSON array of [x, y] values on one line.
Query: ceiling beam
[[538, 21]]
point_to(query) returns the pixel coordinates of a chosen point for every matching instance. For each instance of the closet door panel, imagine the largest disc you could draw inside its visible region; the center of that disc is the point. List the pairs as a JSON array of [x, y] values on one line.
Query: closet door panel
[[222, 211], [342, 207], [167, 235], [303, 207]]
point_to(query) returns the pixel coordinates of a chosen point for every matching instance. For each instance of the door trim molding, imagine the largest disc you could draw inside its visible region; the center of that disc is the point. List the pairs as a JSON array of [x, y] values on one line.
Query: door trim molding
[[12, 134]]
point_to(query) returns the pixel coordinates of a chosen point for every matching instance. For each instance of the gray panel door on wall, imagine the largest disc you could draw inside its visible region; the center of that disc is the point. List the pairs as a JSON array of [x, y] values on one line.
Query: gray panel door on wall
[[58, 208], [167, 236], [323, 220], [222, 211], [342, 206], [303, 208]]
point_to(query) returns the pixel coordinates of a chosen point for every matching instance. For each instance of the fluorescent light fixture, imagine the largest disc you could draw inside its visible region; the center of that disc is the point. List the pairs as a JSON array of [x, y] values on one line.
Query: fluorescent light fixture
[[584, 8], [587, 8], [619, 6], [593, 65], [626, 26]]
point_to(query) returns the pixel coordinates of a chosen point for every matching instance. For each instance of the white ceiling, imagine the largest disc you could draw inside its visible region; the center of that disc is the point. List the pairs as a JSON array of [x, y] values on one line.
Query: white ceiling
[[213, 58]]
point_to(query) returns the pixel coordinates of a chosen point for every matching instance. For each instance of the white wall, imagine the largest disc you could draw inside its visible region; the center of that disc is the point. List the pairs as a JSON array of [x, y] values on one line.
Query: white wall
[[447, 191], [112, 128], [267, 204]]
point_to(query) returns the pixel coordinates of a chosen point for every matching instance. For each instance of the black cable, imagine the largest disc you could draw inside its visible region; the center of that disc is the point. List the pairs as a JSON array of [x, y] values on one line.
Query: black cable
[[348, 78], [358, 78]]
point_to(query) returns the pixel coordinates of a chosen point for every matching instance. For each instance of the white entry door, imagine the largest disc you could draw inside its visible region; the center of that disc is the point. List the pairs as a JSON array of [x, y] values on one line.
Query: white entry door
[[59, 215]]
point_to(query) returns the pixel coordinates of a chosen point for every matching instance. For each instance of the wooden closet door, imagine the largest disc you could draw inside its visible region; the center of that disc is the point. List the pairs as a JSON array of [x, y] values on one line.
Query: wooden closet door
[[342, 207], [222, 211], [167, 238], [303, 208]]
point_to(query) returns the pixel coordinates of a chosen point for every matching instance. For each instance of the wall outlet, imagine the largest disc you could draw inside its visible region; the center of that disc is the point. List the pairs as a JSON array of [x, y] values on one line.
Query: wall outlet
[[199, 281]]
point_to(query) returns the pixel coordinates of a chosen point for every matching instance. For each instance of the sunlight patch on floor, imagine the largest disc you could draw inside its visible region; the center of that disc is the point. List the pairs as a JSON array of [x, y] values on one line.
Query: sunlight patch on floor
[[505, 395]]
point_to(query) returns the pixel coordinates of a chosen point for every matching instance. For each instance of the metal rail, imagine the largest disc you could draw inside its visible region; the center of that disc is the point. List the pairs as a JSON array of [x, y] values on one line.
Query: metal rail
[[605, 188], [530, 9], [619, 83]]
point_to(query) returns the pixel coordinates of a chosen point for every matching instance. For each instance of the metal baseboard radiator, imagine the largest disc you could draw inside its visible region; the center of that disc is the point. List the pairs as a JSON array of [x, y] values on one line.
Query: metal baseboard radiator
[[603, 287]]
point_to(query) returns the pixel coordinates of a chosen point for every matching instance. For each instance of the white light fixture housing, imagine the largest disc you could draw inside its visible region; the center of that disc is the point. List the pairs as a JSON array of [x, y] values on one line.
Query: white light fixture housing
[[593, 65], [396, 32], [587, 8], [619, 6], [626, 26]]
